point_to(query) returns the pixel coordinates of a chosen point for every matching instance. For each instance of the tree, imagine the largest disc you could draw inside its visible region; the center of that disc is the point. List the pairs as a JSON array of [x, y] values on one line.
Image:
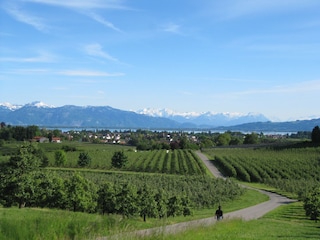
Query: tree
[[251, 138], [81, 194], [84, 159], [107, 198], [18, 176], [119, 159], [50, 191], [60, 157], [223, 139], [161, 200], [175, 207], [312, 204], [126, 200], [146, 202], [315, 134]]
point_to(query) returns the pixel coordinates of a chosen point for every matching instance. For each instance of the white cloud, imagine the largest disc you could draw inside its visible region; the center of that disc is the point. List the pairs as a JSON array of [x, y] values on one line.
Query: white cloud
[[101, 20], [97, 51], [43, 57], [172, 28], [85, 73], [300, 87], [83, 4], [26, 18], [230, 9], [86, 7]]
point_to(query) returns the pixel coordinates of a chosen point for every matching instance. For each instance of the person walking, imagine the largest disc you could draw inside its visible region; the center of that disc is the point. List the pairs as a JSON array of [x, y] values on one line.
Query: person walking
[[219, 213]]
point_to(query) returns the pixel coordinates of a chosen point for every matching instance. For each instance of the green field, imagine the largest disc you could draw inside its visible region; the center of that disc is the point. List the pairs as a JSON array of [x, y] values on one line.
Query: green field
[[286, 222], [293, 170], [179, 173]]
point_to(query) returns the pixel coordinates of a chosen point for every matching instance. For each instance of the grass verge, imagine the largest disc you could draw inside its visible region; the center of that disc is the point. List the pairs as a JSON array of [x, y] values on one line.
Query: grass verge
[[35, 223], [285, 222]]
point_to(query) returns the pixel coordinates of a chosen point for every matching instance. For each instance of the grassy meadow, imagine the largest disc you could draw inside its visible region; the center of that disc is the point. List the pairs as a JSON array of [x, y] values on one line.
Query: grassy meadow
[[279, 170], [286, 222]]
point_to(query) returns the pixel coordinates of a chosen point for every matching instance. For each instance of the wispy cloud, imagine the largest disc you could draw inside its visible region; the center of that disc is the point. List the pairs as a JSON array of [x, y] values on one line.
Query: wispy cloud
[[87, 7], [83, 4], [88, 73], [43, 58], [230, 9], [300, 87], [171, 28], [101, 20], [24, 17], [96, 50]]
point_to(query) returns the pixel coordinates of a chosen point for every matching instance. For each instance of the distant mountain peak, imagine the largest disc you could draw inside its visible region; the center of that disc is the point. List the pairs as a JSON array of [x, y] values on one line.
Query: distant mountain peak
[[38, 104], [10, 106], [205, 118]]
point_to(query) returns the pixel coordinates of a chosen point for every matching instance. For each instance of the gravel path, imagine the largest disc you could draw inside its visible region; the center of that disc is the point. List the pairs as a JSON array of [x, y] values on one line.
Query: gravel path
[[249, 213]]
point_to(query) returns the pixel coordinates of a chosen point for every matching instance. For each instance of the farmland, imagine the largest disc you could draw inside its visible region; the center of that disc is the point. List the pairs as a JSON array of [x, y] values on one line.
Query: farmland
[[294, 170], [175, 177]]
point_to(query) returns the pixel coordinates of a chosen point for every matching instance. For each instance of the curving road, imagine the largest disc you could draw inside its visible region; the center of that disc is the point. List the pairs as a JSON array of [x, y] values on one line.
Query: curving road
[[253, 212], [249, 213]]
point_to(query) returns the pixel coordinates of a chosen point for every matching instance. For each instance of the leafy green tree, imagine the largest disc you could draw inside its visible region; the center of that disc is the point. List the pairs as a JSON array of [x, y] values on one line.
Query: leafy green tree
[[18, 176], [184, 143], [175, 207], [251, 138], [2, 142], [84, 159], [223, 139], [311, 204], [161, 200], [50, 191], [81, 194], [43, 157], [119, 159], [315, 134], [146, 202], [186, 203], [60, 157], [126, 196], [107, 198]]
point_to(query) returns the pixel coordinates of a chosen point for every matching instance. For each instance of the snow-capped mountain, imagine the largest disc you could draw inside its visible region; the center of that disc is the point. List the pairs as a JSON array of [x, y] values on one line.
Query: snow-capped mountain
[[14, 107], [10, 106], [41, 114], [205, 118]]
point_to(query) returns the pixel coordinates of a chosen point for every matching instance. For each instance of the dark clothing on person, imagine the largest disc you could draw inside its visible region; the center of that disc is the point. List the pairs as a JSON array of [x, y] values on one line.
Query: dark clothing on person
[[219, 213]]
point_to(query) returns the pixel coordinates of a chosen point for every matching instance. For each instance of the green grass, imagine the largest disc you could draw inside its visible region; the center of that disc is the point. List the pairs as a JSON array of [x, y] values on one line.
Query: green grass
[[285, 222], [32, 224], [35, 223]]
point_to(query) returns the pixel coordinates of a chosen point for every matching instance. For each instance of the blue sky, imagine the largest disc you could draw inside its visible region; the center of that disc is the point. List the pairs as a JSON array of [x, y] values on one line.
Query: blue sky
[[187, 55]]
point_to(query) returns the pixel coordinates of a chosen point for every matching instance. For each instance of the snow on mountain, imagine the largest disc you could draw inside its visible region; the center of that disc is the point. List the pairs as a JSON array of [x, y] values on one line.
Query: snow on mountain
[[14, 107], [38, 104], [205, 118], [10, 106]]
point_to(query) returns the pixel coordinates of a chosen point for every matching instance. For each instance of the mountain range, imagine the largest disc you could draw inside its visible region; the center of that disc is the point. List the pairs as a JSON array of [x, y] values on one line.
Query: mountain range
[[41, 114]]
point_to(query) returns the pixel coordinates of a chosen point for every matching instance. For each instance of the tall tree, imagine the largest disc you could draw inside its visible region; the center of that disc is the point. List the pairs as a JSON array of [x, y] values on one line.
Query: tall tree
[[161, 200], [251, 138], [107, 198], [119, 159], [126, 200], [146, 202], [312, 204], [60, 157], [18, 176], [84, 159], [81, 194], [315, 134]]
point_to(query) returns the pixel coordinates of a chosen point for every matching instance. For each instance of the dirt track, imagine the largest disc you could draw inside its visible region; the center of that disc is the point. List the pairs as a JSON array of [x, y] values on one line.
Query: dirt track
[[250, 213]]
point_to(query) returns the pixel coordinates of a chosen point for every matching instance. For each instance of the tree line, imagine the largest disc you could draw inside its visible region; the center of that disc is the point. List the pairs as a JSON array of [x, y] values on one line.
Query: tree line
[[25, 183]]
